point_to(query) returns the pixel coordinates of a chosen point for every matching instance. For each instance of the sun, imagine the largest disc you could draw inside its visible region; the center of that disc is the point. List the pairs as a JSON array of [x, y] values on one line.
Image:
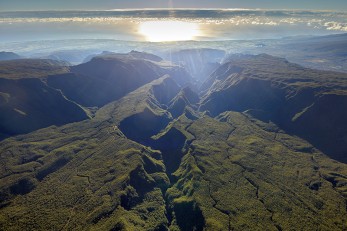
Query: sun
[[166, 31]]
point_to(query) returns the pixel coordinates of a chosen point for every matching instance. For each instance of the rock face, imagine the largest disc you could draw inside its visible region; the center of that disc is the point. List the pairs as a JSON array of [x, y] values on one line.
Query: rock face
[[161, 157]]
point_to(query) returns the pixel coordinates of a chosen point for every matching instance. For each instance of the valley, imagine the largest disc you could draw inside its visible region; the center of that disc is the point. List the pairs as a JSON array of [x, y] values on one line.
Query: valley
[[135, 142]]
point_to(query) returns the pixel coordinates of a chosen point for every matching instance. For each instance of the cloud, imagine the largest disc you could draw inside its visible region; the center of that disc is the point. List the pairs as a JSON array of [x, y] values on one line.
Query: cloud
[[234, 17], [123, 25], [336, 26]]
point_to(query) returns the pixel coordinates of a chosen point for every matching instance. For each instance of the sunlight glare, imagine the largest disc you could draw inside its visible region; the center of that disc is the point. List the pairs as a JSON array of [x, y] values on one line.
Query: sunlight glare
[[166, 31]]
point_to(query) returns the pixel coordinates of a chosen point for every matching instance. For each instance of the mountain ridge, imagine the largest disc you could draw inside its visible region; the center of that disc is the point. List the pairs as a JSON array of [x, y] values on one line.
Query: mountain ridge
[[142, 163], [284, 94]]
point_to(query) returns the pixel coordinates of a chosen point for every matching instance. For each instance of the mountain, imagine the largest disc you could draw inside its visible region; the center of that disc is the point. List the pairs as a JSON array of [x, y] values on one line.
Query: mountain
[[186, 98], [165, 157], [72, 56], [8, 56], [91, 56], [27, 103], [331, 47], [37, 93], [318, 52], [304, 102], [31, 68], [108, 77]]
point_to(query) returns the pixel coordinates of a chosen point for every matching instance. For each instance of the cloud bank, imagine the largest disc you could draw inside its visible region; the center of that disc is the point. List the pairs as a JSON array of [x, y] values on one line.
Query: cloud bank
[[227, 24]]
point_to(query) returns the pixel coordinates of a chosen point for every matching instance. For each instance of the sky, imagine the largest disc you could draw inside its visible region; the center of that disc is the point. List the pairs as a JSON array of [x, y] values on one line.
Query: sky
[[20, 5]]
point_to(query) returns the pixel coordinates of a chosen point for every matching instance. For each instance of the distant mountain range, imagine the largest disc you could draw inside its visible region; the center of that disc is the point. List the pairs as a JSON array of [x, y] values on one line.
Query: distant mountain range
[[8, 56], [209, 142], [317, 52]]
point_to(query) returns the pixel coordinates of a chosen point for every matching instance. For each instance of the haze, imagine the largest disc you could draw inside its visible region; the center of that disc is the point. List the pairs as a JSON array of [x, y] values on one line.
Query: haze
[[337, 5]]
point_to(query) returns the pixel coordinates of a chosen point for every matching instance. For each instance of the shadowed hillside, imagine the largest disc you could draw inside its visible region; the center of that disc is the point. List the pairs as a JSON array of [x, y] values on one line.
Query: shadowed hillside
[[304, 102], [38, 93], [109, 77], [28, 104]]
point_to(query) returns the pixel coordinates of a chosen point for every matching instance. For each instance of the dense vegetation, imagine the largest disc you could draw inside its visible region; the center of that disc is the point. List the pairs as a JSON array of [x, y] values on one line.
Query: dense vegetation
[[29, 104], [31, 68], [161, 157], [309, 103], [38, 93]]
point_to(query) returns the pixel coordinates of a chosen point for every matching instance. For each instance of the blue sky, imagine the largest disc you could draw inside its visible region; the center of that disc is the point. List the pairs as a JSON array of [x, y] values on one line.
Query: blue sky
[[10, 5]]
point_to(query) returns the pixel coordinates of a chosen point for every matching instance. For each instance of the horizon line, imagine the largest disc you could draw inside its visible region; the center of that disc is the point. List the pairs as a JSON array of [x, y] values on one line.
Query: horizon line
[[175, 9]]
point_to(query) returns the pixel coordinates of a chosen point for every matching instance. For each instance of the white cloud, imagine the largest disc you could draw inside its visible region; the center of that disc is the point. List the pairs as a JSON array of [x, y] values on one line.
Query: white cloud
[[314, 19], [336, 26]]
